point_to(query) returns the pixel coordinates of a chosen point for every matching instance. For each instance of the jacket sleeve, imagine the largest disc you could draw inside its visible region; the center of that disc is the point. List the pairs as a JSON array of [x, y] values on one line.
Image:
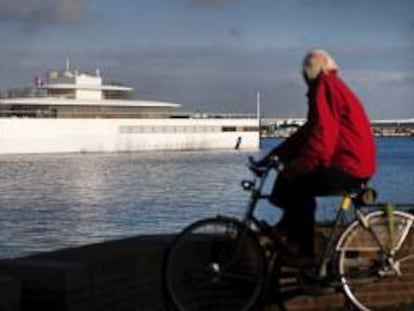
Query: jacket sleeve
[[323, 126]]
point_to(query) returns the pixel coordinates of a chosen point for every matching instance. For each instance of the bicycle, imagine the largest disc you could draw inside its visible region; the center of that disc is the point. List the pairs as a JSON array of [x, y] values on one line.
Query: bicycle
[[224, 263]]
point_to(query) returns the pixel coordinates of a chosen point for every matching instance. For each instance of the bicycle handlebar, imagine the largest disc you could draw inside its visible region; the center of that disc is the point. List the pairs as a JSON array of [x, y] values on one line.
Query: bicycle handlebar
[[259, 168]]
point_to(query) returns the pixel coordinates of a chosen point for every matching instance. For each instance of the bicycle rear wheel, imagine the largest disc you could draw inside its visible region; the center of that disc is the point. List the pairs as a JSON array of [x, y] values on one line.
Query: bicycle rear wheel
[[377, 267], [214, 264]]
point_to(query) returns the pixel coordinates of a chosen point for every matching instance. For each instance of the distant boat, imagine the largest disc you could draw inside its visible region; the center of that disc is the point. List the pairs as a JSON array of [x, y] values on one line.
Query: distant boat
[[73, 111]]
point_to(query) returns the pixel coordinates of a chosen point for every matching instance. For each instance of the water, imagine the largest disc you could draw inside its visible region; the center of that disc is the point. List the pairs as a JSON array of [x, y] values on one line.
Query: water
[[54, 201]]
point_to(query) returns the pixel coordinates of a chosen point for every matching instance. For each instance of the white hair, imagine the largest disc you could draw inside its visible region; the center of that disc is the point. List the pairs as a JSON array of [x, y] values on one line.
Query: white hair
[[317, 61]]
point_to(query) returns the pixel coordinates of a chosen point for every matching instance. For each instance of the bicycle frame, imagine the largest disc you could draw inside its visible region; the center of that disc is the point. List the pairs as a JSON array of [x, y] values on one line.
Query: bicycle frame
[[343, 250], [249, 218], [255, 197], [349, 201]]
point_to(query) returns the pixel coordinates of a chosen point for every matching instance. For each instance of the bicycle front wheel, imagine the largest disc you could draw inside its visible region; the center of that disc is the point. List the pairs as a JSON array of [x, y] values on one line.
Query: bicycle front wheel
[[376, 261], [214, 264]]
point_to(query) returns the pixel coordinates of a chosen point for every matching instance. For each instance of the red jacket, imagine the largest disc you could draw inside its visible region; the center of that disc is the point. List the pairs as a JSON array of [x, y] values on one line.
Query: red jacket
[[337, 132]]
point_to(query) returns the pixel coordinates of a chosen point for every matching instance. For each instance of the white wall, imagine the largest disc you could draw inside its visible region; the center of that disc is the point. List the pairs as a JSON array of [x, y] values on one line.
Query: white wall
[[19, 135], [86, 80], [88, 94]]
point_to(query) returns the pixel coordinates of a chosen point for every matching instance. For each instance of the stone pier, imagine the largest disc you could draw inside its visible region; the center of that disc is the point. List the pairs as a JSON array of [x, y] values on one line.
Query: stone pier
[[115, 275]]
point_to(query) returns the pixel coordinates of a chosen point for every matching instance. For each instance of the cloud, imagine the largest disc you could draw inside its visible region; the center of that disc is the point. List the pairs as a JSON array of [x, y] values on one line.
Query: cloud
[[225, 78], [216, 78], [210, 4], [209, 78], [235, 32], [41, 11], [379, 76]]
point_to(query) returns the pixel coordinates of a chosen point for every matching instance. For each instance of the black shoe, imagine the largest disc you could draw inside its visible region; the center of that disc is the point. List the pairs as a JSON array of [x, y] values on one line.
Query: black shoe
[[300, 262], [313, 285], [291, 256]]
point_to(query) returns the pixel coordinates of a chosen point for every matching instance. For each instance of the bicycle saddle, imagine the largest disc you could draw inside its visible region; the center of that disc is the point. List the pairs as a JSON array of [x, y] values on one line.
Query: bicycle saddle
[[366, 196]]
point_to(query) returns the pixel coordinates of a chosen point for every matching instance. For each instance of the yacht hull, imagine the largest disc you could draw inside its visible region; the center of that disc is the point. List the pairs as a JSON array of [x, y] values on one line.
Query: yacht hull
[[48, 135]]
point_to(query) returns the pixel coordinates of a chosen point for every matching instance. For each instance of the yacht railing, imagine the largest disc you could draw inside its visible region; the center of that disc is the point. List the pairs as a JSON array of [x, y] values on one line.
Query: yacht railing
[[198, 115], [113, 115]]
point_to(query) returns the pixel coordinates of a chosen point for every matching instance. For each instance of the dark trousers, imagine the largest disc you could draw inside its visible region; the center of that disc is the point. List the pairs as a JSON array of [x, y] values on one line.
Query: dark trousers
[[297, 199]]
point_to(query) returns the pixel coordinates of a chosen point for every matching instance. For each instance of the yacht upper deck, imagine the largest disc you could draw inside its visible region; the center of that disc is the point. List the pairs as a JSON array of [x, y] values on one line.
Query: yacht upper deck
[[82, 86], [75, 94]]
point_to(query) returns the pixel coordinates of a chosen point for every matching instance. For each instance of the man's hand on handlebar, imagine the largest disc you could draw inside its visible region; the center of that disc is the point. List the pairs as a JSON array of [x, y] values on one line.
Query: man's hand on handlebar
[[267, 163]]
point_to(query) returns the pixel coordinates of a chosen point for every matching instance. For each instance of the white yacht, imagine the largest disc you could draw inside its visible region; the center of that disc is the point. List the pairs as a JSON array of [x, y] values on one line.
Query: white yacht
[[73, 111]]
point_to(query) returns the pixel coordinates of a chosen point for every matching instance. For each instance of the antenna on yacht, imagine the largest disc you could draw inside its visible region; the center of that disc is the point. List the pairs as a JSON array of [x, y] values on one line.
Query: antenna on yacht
[[67, 64], [258, 112]]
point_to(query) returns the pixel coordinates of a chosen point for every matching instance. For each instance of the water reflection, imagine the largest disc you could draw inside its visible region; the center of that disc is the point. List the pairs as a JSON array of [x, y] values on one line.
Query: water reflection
[[53, 201]]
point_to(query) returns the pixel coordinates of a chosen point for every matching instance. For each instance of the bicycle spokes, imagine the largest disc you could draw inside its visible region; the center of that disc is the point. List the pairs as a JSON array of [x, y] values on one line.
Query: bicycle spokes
[[378, 258]]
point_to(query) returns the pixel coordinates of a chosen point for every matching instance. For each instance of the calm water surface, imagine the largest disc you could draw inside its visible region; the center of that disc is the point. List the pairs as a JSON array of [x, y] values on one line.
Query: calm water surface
[[54, 201]]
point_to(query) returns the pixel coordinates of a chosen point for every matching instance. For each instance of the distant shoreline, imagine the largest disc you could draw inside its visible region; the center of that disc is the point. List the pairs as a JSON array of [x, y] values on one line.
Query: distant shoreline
[[381, 128], [386, 135]]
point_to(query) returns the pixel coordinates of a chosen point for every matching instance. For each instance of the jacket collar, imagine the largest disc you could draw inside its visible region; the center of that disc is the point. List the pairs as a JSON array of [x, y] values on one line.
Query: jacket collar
[[314, 84]]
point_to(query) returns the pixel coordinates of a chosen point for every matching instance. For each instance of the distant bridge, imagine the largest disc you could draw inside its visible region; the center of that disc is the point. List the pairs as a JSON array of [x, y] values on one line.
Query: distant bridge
[[286, 126], [301, 121], [282, 121], [394, 122]]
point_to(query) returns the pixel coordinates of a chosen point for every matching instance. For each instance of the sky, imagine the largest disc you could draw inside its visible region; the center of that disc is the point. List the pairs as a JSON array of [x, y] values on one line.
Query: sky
[[213, 55]]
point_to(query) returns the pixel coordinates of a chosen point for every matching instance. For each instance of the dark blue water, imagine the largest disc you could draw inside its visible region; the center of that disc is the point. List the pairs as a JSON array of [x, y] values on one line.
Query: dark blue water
[[54, 201]]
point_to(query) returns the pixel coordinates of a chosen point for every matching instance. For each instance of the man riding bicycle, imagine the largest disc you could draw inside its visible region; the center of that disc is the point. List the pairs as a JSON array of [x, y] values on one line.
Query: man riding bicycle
[[332, 152]]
